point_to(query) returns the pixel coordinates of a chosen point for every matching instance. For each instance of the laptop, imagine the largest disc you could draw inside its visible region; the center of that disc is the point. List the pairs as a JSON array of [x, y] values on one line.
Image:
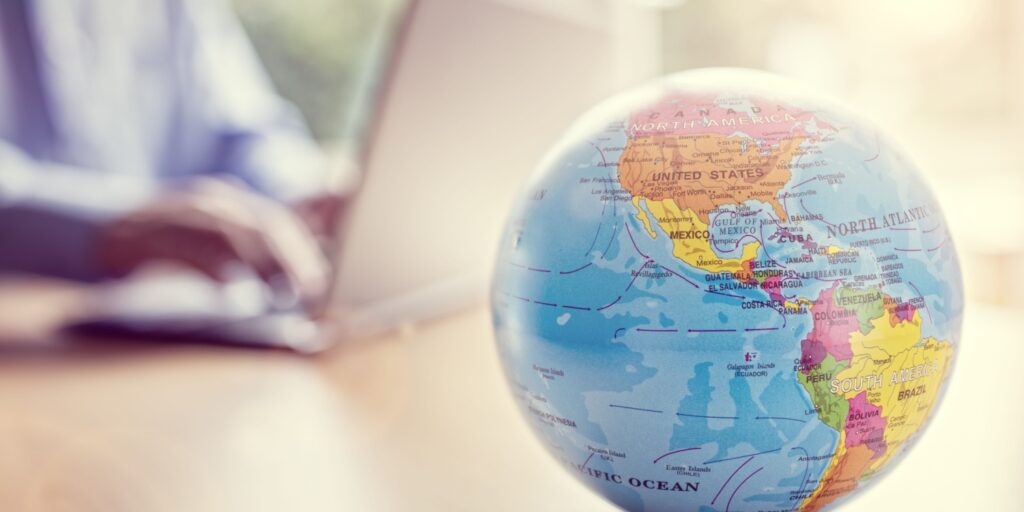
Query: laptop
[[469, 96]]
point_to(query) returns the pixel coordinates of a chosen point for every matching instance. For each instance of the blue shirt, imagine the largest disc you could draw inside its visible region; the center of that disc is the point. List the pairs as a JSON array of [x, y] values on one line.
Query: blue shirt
[[102, 104]]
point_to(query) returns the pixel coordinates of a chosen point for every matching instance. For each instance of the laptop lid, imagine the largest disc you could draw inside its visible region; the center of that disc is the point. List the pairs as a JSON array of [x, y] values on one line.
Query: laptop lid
[[475, 94]]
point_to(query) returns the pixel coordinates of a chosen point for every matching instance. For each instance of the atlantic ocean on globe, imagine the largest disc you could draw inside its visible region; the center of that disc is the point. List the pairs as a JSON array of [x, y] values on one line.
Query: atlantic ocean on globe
[[722, 292]]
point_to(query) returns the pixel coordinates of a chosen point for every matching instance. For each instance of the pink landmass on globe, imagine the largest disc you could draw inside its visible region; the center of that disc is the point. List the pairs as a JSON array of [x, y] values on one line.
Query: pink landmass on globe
[[768, 122], [772, 287], [865, 425], [832, 328]]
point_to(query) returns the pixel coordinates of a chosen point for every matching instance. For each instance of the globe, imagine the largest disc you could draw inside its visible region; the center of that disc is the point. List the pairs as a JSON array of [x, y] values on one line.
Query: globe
[[722, 292]]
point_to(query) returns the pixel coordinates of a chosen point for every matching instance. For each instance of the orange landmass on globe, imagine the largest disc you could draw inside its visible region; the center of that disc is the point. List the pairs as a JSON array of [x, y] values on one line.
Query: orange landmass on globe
[[703, 172], [841, 477], [706, 151]]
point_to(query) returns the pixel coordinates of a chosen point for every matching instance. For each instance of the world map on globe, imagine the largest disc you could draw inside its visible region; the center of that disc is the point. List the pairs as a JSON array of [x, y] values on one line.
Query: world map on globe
[[721, 292]]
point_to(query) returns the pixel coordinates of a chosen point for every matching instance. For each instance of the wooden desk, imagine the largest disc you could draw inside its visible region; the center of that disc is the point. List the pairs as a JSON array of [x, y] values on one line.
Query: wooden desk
[[420, 421]]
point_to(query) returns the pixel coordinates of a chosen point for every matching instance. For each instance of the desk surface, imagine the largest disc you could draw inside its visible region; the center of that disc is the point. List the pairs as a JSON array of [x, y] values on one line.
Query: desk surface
[[415, 421]]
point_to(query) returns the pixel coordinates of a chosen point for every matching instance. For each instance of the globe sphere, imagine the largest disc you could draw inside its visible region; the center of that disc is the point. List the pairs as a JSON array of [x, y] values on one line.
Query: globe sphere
[[721, 291]]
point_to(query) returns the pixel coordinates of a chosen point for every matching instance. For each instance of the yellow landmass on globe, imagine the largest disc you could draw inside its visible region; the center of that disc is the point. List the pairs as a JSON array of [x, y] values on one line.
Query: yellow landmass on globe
[[912, 385], [904, 385], [642, 216], [793, 306], [886, 339], [690, 238], [893, 358]]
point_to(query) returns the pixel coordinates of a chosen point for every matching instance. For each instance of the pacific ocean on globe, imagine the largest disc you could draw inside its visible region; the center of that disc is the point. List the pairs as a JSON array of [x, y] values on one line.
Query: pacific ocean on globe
[[724, 292]]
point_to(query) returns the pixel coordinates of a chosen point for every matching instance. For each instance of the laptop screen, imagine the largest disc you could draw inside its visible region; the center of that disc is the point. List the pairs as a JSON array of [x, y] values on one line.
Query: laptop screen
[[477, 92]]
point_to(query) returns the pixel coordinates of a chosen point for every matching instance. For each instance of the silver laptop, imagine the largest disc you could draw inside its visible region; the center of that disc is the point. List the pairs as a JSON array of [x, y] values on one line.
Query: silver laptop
[[470, 96]]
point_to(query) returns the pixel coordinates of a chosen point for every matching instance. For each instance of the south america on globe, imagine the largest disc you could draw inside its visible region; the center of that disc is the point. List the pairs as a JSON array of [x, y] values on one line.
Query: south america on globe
[[721, 292]]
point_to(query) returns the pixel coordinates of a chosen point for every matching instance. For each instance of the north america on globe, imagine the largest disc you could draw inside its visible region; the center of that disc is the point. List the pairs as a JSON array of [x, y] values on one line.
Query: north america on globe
[[721, 292]]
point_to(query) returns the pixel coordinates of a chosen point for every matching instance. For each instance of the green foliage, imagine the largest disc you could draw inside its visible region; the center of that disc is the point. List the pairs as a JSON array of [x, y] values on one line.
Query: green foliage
[[317, 51]]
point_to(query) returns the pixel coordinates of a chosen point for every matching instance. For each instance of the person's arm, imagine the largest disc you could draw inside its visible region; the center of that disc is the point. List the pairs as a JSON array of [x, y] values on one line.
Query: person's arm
[[86, 225], [51, 216]]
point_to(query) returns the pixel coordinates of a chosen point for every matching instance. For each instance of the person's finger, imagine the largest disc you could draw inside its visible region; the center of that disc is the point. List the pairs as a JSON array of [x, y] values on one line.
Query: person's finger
[[321, 213], [205, 249], [271, 240], [253, 248], [214, 223], [303, 261], [222, 211]]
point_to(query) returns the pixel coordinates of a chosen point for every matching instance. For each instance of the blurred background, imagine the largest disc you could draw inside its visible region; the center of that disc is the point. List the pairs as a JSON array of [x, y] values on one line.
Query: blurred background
[[323, 54], [943, 79], [419, 418]]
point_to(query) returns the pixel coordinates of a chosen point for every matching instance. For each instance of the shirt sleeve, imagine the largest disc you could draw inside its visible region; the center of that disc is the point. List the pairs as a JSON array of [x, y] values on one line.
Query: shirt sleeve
[[51, 215], [261, 138]]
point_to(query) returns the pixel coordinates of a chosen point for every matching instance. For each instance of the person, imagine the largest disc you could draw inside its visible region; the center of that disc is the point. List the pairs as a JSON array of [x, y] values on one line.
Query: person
[[134, 132]]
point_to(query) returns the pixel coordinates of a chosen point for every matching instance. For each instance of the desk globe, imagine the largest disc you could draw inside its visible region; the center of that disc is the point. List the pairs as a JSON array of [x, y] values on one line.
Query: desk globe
[[722, 292]]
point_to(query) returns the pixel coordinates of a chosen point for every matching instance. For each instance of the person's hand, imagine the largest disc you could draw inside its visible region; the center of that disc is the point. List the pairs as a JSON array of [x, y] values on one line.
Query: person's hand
[[324, 211], [321, 213], [213, 224]]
